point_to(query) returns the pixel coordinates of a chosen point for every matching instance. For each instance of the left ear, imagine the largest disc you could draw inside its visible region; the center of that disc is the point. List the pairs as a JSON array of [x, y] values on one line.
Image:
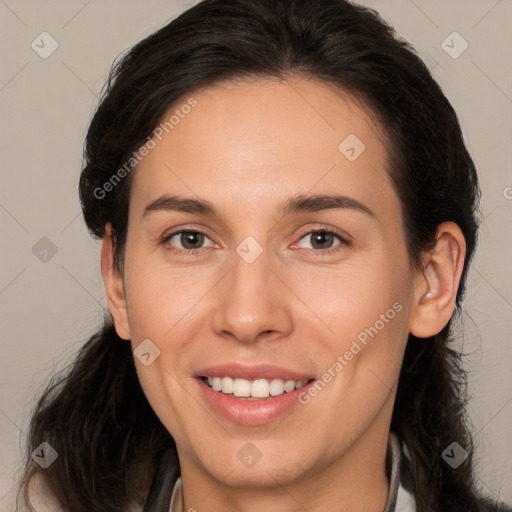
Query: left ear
[[435, 288]]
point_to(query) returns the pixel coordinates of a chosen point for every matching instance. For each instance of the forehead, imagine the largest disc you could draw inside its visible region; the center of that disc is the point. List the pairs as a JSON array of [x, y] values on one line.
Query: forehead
[[252, 142]]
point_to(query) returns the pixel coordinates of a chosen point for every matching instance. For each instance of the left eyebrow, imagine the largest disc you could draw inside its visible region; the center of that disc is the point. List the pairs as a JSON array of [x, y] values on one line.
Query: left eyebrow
[[294, 204], [318, 202]]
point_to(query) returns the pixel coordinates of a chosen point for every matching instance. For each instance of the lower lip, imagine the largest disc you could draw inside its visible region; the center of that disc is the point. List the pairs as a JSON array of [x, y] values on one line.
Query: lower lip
[[251, 412]]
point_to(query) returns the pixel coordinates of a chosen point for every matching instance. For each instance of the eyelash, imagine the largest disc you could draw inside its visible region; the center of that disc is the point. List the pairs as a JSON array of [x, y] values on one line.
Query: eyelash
[[321, 252]]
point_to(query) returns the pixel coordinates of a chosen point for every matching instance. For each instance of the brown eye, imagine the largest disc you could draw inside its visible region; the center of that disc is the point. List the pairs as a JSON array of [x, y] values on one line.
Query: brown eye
[[321, 238], [188, 239], [322, 241]]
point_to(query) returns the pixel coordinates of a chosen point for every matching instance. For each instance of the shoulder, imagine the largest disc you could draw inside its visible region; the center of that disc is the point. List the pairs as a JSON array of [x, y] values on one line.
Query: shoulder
[[488, 505], [474, 504], [452, 501], [41, 499]]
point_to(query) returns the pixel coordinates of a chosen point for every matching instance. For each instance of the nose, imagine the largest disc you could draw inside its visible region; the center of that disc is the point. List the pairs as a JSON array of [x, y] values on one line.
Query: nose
[[254, 302]]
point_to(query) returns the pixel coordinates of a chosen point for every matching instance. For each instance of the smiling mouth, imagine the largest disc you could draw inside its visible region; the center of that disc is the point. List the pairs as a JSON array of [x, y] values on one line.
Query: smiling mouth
[[257, 389]]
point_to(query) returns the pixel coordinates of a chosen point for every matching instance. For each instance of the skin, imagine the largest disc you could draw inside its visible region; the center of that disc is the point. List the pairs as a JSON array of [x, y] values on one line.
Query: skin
[[246, 147]]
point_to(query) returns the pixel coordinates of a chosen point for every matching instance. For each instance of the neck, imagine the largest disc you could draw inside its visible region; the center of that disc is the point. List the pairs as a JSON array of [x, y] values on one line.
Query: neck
[[356, 481]]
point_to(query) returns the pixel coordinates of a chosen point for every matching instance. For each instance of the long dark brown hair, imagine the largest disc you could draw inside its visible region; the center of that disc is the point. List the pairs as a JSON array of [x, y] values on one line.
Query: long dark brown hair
[[94, 413]]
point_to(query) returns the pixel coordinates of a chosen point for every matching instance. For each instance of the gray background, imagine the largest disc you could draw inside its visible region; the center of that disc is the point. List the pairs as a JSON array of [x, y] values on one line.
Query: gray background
[[50, 303]]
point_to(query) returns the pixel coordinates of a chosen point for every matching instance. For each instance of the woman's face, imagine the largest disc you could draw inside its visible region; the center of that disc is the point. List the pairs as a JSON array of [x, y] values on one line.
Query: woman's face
[[276, 287]]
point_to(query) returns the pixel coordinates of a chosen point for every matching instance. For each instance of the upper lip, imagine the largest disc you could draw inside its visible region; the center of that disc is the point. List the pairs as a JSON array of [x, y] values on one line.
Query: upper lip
[[252, 372]]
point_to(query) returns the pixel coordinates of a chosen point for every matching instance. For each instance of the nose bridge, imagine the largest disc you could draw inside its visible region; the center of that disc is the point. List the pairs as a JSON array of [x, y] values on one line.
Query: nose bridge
[[253, 300]]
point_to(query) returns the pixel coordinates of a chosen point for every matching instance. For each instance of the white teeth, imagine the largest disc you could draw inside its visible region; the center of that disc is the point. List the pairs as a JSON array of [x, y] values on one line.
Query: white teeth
[[289, 385], [217, 384], [227, 385], [276, 387], [300, 383], [258, 388], [241, 387]]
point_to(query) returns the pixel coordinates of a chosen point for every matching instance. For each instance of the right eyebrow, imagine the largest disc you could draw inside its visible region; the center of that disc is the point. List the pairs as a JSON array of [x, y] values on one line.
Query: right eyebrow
[[180, 204]]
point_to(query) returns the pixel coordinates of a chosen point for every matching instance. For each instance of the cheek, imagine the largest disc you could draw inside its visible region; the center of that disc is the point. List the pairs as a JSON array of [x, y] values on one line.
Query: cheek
[[355, 297], [161, 300], [365, 308], [161, 308], [359, 360]]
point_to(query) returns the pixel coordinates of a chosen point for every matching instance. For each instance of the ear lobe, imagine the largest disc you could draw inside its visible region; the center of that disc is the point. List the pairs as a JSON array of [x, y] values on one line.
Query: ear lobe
[[436, 286], [113, 282]]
